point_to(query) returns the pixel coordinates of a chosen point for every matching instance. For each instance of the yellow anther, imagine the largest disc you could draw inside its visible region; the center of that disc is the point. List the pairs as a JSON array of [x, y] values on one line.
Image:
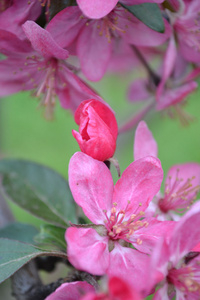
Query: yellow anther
[[139, 241], [114, 203]]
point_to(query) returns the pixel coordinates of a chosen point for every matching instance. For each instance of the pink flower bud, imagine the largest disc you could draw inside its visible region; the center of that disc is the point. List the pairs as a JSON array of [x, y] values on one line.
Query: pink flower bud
[[97, 129]]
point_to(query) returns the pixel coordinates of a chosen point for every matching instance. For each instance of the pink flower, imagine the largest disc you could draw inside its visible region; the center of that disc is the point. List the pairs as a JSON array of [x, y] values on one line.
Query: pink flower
[[14, 13], [116, 212], [97, 9], [98, 129], [117, 289], [171, 90], [186, 23], [71, 291], [181, 278], [96, 39], [39, 63], [181, 185]]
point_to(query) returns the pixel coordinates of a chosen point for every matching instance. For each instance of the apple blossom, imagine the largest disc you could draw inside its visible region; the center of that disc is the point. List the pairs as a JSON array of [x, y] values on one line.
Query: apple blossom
[[181, 277], [118, 217], [95, 39], [97, 129], [40, 63], [182, 181]]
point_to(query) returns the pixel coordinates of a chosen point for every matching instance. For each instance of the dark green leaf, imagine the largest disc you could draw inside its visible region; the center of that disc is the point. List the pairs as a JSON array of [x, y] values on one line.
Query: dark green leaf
[[14, 254], [53, 236], [39, 190], [149, 14], [20, 232]]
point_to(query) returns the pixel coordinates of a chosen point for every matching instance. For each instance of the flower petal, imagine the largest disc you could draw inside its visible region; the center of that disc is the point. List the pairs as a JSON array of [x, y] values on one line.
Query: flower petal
[[138, 184], [43, 42], [87, 250], [96, 9], [144, 143], [186, 234], [71, 291], [94, 51], [91, 185], [130, 265]]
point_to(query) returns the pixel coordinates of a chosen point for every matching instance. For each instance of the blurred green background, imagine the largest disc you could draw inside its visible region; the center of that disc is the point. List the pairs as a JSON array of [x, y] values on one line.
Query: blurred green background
[[24, 133]]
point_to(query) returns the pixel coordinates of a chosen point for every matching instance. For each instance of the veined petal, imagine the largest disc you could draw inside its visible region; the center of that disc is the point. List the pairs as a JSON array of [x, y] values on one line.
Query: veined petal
[[96, 9], [152, 233], [138, 184], [130, 265], [91, 185], [43, 42], [87, 250], [94, 51], [66, 25], [186, 234], [144, 142], [71, 291]]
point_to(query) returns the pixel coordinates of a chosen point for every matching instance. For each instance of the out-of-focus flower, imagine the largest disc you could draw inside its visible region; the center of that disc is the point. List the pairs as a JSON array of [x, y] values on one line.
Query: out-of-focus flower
[[96, 39], [181, 278], [186, 22], [97, 9], [118, 216], [172, 88], [16, 12], [97, 129], [181, 185], [71, 291], [39, 63], [117, 289]]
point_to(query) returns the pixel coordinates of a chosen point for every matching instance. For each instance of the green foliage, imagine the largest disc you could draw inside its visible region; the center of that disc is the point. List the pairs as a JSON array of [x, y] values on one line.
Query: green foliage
[[39, 190], [52, 236], [14, 254], [19, 232], [149, 14]]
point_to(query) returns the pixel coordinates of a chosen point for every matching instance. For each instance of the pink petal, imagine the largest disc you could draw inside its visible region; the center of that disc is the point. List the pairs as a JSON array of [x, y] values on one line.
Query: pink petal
[[91, 185], [186, 234], [71, 291], [168, 65], [100, 142], [96, 9], [138, 91], [18, 13], [94, 51], [151, 234], [43, 42], [130, 265], [66, 25], [144, 143], [176, 95], [139, 34], [133, 2], [87, 250], [162, 293], [138, 184], [188, 52]]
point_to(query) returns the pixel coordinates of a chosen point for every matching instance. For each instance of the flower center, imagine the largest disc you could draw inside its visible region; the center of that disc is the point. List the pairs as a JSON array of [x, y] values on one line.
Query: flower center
[[120, 226], [186, 279], [179, 194]]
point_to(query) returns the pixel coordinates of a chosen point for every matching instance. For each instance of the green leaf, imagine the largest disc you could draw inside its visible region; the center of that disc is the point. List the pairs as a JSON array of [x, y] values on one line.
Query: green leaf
[[39, 190], [52, 236], [149, 14], [20, 232], [14, 254]]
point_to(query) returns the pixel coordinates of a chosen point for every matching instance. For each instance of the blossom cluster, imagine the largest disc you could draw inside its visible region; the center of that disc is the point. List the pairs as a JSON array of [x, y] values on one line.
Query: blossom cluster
[[137, 238], [47, 53]]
